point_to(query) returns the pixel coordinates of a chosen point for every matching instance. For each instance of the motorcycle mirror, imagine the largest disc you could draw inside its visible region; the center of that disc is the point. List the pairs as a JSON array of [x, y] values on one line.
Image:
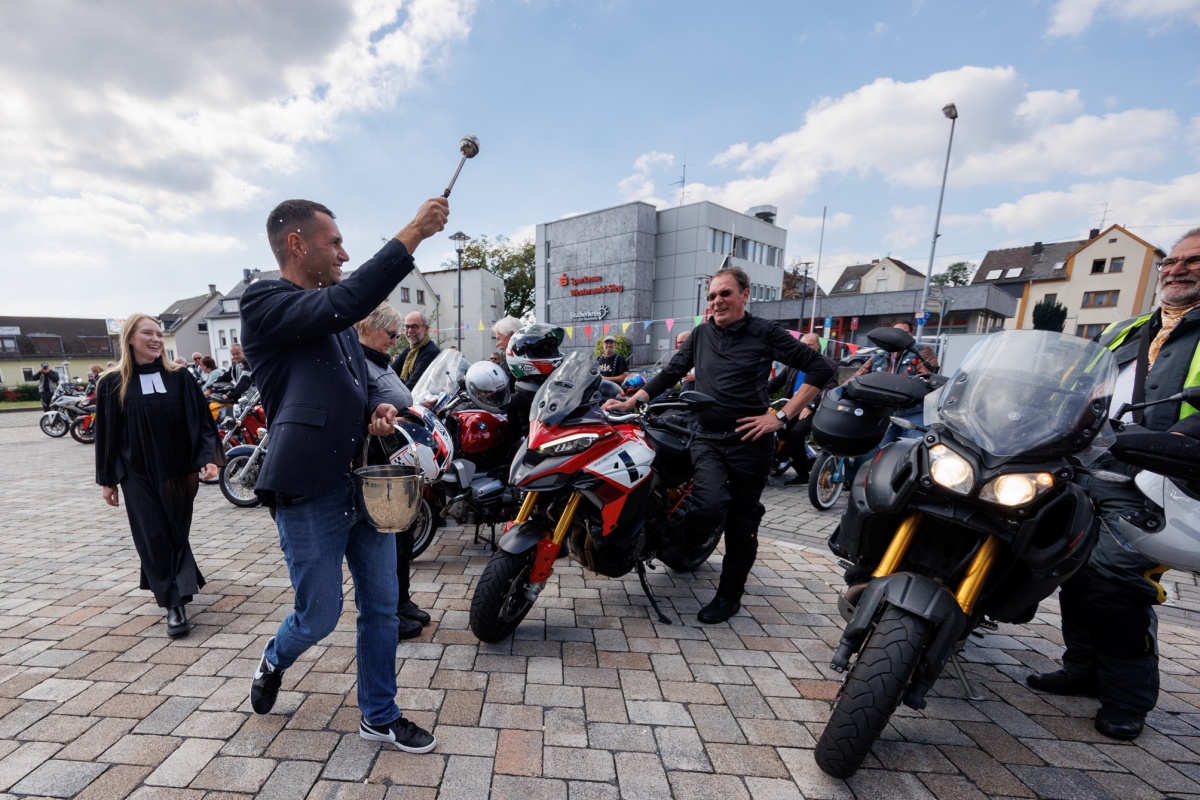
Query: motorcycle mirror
[[697, 401], [893, 340], [1191, 396]]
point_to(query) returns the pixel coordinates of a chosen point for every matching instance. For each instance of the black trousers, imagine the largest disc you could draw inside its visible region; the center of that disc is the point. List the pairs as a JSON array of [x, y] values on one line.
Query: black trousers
[[728, 482], [1109, 626], [404, 548], [793, 445], [45, 397]]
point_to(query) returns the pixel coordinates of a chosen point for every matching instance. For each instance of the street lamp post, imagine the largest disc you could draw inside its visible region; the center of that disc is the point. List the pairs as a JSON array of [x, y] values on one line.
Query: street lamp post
[[951, 113], [460, 239]]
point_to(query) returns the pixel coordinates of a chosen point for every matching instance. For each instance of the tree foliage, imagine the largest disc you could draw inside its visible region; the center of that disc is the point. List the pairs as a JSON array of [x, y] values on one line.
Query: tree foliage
[[624, 346], [1049, 316], [957, 274], [794, 284], [511, 261]]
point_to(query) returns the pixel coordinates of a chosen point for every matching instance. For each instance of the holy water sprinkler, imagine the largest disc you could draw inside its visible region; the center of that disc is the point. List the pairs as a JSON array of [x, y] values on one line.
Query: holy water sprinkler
[[469, 147]]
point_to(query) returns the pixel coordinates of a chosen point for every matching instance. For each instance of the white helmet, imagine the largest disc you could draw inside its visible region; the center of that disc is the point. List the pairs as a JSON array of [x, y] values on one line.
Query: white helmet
[[487, 386]]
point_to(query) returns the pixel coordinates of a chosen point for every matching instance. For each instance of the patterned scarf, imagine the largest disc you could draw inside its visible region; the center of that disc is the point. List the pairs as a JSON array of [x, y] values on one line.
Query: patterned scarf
[[410, 360], [1170, 320]]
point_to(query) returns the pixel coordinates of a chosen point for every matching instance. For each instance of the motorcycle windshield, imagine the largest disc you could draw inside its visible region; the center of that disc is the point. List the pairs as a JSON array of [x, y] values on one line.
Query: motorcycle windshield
[[441, 378], [575, 383], [1030, 391]]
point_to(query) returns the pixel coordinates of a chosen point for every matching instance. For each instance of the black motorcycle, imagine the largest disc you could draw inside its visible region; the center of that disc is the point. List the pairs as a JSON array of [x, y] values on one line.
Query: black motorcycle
[[972, 524]]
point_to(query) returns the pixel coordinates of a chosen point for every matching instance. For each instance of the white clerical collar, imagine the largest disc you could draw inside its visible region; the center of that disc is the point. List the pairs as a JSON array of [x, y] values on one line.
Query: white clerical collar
[[153, 383]]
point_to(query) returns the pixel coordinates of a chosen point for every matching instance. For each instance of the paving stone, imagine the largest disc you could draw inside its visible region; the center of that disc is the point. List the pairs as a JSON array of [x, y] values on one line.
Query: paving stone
[[739, 759], [118, 781], [641, 776], [1053, 783], [24, 760], [681, 749], [611, 736], [59, 778], [234, 774], [519, 753], [707, 787], [467, 776], [351, 759], [185, 763]]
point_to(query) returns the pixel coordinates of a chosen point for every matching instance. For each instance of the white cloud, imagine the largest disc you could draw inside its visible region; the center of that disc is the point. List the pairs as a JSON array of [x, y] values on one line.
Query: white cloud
[[178, 108], [1073, 17]]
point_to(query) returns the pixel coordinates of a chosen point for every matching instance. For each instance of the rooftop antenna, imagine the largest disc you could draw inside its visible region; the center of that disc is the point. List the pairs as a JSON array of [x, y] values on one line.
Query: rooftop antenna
[[682, 184], [1104, 216]]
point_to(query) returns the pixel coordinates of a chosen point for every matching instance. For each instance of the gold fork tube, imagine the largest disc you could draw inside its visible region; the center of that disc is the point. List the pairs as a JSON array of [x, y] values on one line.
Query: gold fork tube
[[526, 508], [899, 544], [564, 522], [981, 565]]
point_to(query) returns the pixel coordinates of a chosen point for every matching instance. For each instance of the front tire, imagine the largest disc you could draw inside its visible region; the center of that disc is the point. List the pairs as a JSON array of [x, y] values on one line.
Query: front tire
[[872, 691], [55, 428], [237, 479], [79, 434], [500, 602], [424, 527], [823, 488]]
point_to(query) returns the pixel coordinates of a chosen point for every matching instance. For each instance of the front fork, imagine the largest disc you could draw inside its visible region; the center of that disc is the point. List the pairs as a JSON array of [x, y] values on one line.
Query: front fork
[[549, 546]]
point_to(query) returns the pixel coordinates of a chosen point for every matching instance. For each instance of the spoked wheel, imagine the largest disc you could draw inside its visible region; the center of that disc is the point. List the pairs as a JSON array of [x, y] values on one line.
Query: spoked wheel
[[872, 691], [824, 485], [56, 427], [424, 527], [683, 558], [237, 479], [83, 435], [500, 601]]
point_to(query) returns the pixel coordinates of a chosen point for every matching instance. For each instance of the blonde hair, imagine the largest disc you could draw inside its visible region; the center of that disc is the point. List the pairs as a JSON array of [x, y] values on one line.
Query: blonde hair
[[125, 365], [382, 317]]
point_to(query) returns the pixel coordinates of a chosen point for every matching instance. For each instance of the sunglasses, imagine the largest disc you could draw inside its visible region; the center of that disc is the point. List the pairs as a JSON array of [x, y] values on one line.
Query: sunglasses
[[723, 293], [393, 335]]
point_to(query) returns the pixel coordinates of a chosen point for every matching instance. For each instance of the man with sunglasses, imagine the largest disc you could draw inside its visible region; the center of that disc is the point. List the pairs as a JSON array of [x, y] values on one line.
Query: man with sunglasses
[[411, 362], [1108, 620], [731, 355]]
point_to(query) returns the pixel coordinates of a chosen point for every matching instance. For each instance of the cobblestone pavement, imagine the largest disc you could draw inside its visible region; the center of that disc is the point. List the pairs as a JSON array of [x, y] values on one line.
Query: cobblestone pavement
[[591, 699]]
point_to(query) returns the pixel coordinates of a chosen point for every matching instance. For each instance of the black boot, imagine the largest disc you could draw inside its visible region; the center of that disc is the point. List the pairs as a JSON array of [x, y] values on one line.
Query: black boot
[[1117, 723], [409, 628], [177, 622], [720, 609], [409, 610]]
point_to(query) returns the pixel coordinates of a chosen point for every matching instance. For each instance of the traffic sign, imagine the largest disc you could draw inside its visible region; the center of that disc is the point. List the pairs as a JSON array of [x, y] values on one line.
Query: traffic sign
[[828, 325], [922, 317], [854, 323]]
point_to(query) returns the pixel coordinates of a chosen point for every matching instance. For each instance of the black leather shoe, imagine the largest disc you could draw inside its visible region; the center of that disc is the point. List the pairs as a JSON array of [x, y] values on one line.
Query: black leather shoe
[[177, 622], [1062, 682], [409, 628], [719, 610], [1117, 723], [410, 610]]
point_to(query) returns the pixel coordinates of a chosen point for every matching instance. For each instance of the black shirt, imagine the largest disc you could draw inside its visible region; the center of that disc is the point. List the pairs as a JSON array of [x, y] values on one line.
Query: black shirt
[[613, 365], [733, 365]]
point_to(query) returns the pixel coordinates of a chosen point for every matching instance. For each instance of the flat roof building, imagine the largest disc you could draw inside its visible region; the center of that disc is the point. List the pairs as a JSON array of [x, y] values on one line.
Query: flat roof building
[[635, 271]]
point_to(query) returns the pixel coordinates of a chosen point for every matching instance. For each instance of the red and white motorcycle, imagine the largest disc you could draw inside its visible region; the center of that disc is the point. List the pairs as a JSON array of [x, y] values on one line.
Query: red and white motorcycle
[[601, 485]]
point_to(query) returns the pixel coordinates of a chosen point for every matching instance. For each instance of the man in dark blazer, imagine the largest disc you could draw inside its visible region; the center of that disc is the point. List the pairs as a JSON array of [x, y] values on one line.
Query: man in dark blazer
[[313, 378]]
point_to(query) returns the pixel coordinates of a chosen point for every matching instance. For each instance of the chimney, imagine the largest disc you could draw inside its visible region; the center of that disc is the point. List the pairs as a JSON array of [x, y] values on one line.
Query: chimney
[[212, 289], [874, 260], [245, 276], [1093, 233], [1036, 249]]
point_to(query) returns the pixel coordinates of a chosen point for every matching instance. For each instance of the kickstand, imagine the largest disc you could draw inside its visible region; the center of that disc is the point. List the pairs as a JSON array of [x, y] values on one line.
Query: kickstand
[[641, 571], [968, 687]]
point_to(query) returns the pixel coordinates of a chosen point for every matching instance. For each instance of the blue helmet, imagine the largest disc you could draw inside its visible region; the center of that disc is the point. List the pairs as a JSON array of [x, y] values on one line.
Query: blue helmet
[[633, 383]]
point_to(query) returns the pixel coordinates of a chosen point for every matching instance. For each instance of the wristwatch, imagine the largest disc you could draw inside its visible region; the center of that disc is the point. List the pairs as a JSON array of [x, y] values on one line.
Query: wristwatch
[[782, 416]]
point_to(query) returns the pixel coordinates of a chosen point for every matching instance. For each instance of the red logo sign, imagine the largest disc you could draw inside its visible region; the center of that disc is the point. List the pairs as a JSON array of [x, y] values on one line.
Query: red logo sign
[[562, 279]]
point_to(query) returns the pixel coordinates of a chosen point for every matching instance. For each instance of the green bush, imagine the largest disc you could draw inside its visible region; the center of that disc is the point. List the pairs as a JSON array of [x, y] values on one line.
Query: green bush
[[16, 394]]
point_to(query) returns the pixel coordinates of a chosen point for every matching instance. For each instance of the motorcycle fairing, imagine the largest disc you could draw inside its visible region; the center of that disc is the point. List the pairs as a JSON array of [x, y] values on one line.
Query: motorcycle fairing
[[525, 536], [627, 465]]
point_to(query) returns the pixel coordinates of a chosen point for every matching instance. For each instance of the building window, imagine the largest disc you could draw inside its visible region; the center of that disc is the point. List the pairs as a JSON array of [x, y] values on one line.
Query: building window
[[233, 334], [97, 344], [1100, 299], [719, 241], [8, 344], [421, 296], [46, 343], [1117, 265], [1098, 266], [881, 284], [1089, 331], [1014, 272], [229, 306], [404, 297], [27, 374], [221, 336], [170, 354], [993, 274], [1050, 299]]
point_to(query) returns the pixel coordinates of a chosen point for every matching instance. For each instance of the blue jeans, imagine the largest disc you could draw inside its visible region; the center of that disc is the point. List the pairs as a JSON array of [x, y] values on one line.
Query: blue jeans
[[315, 533]]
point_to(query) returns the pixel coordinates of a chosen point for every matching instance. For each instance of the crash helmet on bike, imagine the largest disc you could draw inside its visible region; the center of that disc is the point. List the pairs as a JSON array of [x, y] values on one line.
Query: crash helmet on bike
[[633, 383], [844, 427], [533, 351], [487, 386], [421, 441]]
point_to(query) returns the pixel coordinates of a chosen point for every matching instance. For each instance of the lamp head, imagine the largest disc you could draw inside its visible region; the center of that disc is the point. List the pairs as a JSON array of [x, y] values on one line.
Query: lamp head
[[469, 146], [950, 110]]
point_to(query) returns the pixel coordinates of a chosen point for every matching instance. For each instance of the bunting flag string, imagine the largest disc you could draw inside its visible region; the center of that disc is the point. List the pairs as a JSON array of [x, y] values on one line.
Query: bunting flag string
[[625, 326], [587, 331], [570, 332]]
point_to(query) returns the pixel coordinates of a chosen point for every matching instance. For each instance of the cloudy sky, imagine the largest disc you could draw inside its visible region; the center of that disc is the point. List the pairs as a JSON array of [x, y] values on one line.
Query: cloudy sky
[[142, 143]]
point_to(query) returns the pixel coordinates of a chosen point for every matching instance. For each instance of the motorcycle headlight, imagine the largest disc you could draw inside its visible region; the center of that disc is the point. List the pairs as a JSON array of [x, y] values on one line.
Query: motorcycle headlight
[[1017, 488], [568, 445], [950, 470]]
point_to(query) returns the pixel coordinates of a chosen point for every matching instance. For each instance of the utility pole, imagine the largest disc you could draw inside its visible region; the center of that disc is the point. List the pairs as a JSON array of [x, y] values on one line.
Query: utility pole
[[804, 289]]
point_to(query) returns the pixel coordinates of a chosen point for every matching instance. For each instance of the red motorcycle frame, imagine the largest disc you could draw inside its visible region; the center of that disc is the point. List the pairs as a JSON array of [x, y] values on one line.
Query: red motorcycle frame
[[601, 486]]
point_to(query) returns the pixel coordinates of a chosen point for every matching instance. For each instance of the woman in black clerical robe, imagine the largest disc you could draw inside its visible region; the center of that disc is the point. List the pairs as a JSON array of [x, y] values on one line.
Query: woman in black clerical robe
[[155, 438]]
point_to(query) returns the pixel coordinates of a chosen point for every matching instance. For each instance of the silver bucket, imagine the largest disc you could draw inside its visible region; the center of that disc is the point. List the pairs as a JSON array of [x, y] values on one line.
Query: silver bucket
[[391, 495]]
